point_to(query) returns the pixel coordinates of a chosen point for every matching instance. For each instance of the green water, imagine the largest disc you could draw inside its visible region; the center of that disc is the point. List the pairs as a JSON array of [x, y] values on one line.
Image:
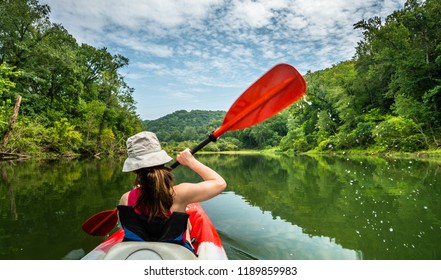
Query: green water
[[274, 208]]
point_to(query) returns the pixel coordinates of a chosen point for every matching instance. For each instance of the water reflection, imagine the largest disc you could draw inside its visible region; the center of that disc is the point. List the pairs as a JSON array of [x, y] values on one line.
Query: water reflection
[[274, 208], [42, 205], [381, 208], [250, 233]]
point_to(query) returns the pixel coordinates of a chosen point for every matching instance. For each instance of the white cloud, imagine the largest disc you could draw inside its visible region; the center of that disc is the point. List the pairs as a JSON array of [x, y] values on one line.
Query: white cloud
[[253, 14], [137, 44], [182, 95], [148, 66], [295, 22]]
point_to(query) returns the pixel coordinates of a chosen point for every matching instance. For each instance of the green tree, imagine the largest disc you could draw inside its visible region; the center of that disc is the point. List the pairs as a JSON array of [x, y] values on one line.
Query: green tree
[[63, 137], [6, 85], [398, 133], [401, 57], [5, 78]]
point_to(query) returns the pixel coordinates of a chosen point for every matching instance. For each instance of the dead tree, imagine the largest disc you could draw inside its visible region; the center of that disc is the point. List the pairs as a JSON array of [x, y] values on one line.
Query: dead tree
[[12, 121]]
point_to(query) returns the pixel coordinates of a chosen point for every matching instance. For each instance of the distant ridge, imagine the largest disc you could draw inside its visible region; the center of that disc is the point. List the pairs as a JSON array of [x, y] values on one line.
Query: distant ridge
[[183, 125]]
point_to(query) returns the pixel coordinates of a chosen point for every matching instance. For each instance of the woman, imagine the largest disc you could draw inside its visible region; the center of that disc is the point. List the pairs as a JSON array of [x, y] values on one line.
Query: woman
[[155, 209]]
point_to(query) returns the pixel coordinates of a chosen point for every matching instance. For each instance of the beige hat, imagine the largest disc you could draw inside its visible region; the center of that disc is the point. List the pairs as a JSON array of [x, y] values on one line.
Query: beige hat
[[144, 150]]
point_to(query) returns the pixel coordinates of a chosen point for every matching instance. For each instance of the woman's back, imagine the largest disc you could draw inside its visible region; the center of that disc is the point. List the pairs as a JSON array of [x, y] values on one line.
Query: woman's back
[[156, 201]]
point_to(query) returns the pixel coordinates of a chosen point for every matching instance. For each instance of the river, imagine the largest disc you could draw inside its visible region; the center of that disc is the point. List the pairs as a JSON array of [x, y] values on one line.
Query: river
[[305, 208]]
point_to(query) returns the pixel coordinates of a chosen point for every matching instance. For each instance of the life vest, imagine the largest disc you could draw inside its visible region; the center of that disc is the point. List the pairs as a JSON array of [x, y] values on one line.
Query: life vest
[[139, 228]]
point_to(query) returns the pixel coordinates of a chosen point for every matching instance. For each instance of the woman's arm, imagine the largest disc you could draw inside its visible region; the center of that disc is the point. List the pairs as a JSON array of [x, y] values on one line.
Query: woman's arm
[[212, 184], [124, 199]]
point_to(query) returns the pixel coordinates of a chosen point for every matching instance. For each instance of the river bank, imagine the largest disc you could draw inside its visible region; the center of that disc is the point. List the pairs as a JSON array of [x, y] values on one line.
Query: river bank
[[432, 155]]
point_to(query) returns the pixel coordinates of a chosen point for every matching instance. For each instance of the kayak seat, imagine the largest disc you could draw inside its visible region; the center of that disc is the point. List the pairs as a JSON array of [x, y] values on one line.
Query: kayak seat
[[139, 228], [133, 250]]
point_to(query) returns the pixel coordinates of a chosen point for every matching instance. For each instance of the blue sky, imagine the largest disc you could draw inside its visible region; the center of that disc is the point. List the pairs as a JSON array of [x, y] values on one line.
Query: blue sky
[[202, 54]]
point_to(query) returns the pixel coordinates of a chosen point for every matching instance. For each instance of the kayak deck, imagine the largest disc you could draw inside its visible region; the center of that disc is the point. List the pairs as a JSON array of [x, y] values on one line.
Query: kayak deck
[[207, 245]]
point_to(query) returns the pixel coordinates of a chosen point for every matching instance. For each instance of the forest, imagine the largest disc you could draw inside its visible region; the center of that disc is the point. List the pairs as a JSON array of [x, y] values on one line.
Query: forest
[[74, 101], [387, 98]]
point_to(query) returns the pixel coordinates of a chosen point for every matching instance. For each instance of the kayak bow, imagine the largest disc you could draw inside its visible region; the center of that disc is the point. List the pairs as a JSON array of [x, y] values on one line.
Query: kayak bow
[[208, 245]]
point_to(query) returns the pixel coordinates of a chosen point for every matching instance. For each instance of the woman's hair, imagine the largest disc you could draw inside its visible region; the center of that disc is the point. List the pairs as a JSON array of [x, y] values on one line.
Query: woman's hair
[[156, 191]]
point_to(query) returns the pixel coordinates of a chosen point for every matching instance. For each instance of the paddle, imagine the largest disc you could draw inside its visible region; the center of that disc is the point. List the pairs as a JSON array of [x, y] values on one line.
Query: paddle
[[101, 223], [275, 90]]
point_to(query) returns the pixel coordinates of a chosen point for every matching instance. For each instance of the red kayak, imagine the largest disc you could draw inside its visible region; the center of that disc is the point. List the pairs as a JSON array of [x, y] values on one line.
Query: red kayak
[[208, 245]]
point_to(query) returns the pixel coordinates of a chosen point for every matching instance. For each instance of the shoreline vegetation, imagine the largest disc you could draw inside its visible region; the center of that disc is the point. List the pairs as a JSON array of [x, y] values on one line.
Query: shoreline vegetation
[[434, 155], [274, 151], [59, 98]]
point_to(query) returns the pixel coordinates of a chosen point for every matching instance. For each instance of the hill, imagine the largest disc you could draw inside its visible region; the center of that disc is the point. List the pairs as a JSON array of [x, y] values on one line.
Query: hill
[[183, 125]]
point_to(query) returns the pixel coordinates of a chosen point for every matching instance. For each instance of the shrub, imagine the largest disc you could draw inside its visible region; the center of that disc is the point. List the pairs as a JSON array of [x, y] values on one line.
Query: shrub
[[398, 133]]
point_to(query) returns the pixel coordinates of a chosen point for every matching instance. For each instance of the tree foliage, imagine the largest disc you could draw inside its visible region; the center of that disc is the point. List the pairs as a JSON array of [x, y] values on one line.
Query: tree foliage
[[183, 126], [388, 97], [72, 93]]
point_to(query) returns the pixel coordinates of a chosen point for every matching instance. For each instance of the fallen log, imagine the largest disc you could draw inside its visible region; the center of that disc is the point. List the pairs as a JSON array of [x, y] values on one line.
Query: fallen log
[[7, 156]]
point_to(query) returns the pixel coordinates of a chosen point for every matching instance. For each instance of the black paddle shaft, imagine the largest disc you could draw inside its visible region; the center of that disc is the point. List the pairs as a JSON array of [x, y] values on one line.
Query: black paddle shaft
[[210, 138]]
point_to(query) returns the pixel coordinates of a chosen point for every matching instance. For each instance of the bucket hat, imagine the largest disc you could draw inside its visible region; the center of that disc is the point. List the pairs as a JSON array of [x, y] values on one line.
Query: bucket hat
[[144, 150]]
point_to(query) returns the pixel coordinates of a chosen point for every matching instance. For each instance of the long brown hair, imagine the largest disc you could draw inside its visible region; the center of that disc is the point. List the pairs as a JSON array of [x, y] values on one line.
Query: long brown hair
[[156, 191]]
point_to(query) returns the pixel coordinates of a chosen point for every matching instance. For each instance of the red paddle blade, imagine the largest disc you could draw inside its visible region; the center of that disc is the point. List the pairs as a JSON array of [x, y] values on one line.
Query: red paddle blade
[[101, 223], [278, 88]]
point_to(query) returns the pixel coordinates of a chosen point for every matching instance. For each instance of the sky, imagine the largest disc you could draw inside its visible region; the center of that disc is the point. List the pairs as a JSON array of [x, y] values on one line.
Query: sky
[[203, 54]]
